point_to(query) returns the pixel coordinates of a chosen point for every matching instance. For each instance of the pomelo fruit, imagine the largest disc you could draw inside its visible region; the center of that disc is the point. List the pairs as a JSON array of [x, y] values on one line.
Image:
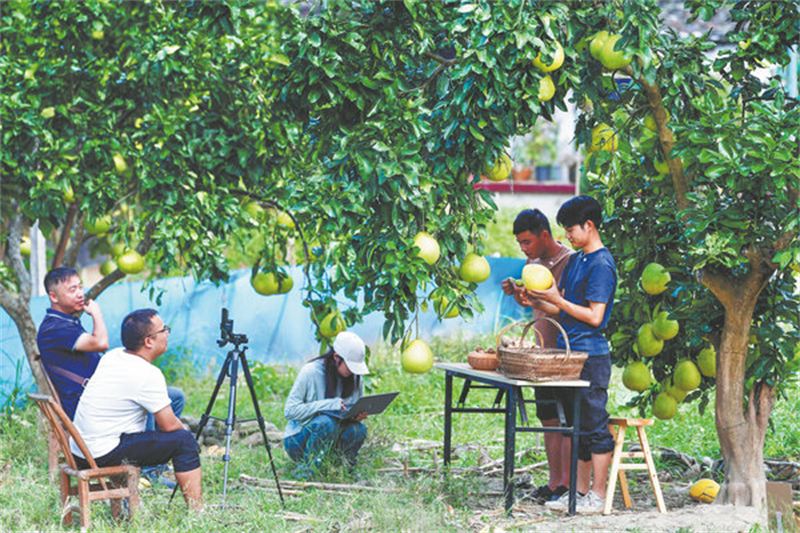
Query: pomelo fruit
[[121, 166], [98, 226], [596, 46], [25, 246], [130, 262], [665, 406], [558, 60], [662, 167], [442, 305], [254, 209], [664, 328], [500, 170], [655, 278], [428, 247], [108, 267], [603, 138], [285, 220], [650, 121], [68, 194], [536, 277], [615, 59], [332, 324], [636, 376], [704, 490], [547, 89], [707, 362], [265, 283], [285, 285], [119, 248], [649, 345], [475, 269], [676, 392], [686, 375], [417, 358]]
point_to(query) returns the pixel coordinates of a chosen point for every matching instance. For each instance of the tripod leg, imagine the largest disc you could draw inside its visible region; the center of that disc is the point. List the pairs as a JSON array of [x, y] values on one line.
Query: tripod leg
[[249, 379], [230, 421], [206, 416]]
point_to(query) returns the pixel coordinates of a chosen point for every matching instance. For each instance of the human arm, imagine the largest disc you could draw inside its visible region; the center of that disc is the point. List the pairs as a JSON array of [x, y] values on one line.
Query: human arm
[[601, 285], [303, 401], [167, 421], [97, 340]]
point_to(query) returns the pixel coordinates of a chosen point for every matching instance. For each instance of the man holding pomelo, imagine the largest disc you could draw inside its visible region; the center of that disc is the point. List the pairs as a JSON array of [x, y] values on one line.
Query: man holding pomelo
[[584, 304], [532, 231]]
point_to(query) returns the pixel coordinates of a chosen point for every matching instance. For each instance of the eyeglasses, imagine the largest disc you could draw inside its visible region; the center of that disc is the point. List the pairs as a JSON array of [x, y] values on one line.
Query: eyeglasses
[[166, 329]]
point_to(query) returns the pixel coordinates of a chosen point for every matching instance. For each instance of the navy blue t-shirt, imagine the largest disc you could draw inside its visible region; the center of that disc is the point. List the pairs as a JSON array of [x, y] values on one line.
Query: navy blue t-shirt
[[56, 339], [588, 278]]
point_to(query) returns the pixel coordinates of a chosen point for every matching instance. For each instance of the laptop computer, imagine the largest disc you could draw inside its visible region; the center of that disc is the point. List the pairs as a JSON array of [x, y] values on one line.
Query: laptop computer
[[373, 405]]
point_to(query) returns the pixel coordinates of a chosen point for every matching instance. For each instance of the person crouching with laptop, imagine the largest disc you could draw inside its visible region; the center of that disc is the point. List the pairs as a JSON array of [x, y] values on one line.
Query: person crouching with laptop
[[325, 388]]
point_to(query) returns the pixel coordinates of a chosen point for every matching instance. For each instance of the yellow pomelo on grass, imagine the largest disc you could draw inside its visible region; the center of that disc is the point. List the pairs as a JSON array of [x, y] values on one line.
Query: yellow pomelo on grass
[[704, 490]]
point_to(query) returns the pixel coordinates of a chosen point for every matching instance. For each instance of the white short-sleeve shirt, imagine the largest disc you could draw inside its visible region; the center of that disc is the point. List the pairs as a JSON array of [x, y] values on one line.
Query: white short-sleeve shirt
[[123, 389]]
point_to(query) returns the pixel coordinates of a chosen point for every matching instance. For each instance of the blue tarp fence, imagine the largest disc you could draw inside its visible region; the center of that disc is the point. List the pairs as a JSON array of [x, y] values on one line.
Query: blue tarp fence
[[279, 328]]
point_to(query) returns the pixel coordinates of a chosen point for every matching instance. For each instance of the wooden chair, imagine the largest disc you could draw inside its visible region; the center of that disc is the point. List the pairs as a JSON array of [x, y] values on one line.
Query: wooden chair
[[113, 483], [618, 428], [53, 449]]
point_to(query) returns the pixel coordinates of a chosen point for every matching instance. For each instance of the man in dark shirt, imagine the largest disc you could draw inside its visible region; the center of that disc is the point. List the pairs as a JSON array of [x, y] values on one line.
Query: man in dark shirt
[[69, 352]]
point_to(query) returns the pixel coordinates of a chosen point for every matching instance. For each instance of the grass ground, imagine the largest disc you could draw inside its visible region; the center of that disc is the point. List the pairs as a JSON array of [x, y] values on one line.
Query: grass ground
[[423, 501]]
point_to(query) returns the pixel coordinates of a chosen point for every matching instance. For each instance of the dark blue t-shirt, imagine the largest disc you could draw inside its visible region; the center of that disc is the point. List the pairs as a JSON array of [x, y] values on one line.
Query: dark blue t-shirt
[[56, 339], [588, 278]]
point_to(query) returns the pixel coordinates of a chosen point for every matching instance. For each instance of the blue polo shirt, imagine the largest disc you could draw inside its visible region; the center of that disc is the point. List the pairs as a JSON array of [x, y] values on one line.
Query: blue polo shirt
[[588, 278], [56, 339]]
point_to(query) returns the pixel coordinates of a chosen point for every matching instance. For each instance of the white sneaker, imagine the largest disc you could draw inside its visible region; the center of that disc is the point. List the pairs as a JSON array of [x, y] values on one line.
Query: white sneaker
[[562, 503], [591, 503]]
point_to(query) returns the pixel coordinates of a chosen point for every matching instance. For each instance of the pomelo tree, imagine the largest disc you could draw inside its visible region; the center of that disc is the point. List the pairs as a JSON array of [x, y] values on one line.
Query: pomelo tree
[[371, 122]]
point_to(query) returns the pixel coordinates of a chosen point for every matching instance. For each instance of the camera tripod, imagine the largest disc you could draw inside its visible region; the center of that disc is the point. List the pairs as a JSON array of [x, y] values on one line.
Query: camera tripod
[[230, 368]]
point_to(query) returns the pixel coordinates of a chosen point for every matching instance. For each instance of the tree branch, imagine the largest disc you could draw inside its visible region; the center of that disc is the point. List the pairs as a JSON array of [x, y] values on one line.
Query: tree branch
[[443, 64], [143, 248], [15, 257], [80, 231], [666, 138], [62, 243]]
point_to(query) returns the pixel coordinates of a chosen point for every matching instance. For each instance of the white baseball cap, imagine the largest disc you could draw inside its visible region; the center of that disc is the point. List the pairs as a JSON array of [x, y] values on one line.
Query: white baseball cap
[[350, 347]]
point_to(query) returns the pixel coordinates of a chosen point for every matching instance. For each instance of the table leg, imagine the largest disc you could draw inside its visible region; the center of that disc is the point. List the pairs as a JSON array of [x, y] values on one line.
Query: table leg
[[573, 461], [510, 443], [448, 413]]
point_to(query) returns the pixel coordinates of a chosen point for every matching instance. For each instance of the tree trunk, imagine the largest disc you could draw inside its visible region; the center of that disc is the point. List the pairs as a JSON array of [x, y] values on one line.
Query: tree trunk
[[20, 313], [741, 426]]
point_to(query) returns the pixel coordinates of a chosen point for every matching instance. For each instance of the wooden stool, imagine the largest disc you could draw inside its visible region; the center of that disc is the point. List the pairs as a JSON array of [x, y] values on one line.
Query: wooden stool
[[618, 427]]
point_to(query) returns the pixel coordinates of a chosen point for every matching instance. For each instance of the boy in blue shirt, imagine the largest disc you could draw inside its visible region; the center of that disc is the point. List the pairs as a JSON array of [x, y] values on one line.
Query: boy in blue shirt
[[584, 303]]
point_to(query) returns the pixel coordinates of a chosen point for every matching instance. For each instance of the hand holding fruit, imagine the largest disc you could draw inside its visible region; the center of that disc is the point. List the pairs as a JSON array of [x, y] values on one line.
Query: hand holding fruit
[[509, 285]]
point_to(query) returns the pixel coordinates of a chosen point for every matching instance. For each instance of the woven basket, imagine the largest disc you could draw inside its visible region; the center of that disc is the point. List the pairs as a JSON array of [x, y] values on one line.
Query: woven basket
[[537, 363], [483, 360]]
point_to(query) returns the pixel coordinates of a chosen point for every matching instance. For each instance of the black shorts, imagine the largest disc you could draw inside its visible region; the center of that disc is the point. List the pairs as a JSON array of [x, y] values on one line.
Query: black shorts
[[547, 410], [594, 435], [152, 448]]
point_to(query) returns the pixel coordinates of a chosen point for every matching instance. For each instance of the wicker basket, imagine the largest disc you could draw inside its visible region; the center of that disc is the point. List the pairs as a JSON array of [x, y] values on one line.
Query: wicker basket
[[483, 360], [537, 363]]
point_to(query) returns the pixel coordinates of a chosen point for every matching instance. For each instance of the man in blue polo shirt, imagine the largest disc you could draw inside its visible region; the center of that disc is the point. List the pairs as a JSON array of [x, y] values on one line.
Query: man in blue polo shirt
[[589, 282], [71, 354]]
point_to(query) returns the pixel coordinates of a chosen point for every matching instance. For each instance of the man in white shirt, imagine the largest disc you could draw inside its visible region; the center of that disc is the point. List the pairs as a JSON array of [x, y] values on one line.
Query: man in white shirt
[[125, 387]]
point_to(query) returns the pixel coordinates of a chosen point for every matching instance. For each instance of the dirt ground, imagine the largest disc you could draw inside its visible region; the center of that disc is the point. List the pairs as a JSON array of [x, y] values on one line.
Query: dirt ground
[[683, 514]]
